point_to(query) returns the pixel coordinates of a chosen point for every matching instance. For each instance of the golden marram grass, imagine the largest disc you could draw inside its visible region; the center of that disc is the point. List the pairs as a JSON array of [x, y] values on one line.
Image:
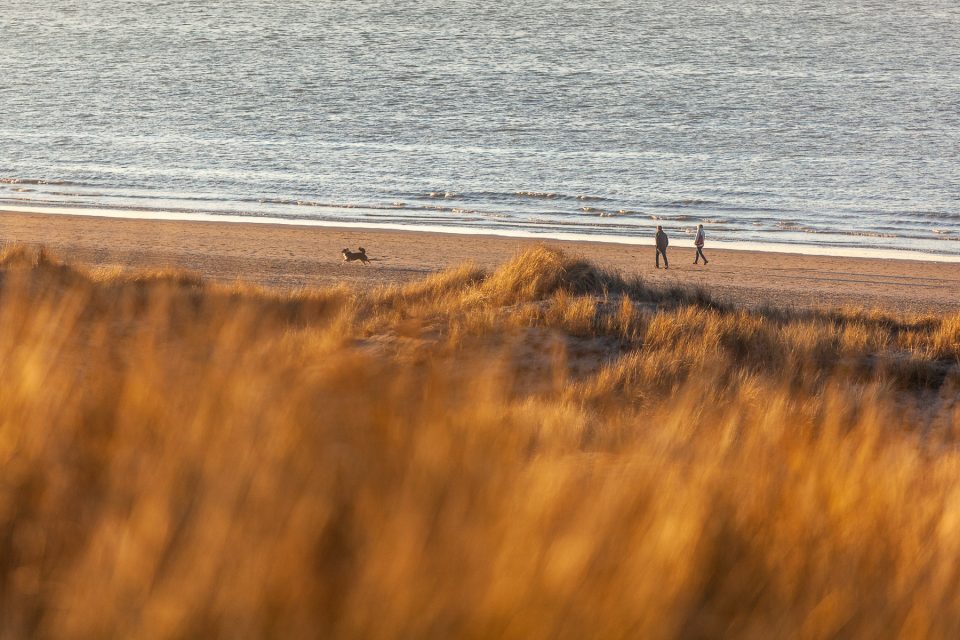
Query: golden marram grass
[[545, 451]]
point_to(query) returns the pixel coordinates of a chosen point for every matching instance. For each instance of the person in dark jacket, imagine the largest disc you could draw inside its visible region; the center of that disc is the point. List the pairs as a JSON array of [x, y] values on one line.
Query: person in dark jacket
[[698, 243], [662, 242]]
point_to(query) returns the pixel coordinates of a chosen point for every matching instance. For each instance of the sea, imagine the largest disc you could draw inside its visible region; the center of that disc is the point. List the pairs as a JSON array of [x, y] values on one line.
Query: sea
[[815, 126]]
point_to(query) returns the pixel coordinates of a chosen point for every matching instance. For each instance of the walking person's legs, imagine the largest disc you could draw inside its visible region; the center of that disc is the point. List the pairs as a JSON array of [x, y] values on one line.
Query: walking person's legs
[[666, 264], [658, 258], [700, 255]]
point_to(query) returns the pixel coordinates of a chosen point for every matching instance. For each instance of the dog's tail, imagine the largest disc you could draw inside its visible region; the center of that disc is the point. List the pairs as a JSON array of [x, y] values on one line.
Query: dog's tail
[[362, 250]]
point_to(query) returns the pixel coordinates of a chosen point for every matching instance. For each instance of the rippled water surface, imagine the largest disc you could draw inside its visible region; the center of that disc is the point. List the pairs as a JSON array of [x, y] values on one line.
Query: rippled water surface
[[830, 123]]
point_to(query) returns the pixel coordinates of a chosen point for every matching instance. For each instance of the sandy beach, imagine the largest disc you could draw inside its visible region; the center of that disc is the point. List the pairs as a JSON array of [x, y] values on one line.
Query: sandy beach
[[292, 256]]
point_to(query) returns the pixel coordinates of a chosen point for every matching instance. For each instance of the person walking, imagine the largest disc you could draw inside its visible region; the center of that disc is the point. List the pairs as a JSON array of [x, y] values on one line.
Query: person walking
[[662, 242], [698, 243]]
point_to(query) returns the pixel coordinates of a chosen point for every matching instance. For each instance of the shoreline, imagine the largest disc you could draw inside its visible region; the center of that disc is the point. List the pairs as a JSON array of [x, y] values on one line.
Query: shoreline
[[232, 218], [292, 256]]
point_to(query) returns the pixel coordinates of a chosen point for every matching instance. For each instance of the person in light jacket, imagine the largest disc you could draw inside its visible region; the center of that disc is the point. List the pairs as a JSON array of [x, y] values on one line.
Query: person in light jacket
[[698, 243], [662, 242]]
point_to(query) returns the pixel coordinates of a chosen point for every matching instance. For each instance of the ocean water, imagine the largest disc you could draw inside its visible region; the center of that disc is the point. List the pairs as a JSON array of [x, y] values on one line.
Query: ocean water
[[820, 124]]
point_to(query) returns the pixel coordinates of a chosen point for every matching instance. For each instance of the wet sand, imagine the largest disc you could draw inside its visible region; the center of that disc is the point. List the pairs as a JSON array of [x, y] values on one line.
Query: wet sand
[[293, 256]]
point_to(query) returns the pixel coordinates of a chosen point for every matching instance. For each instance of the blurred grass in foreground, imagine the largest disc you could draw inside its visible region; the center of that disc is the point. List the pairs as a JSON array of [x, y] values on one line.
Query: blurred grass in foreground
[[545, 451]]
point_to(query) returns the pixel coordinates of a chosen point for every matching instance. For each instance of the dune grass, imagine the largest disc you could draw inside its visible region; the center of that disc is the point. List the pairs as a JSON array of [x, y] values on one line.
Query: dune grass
[[545, 451]]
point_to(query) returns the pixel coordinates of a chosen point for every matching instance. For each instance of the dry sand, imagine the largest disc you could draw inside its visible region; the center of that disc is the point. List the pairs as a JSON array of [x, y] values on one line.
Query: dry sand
[[292, 256]]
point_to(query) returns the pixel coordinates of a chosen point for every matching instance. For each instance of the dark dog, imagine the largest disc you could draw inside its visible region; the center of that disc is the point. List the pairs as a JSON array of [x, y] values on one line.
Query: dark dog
[[360, 254]]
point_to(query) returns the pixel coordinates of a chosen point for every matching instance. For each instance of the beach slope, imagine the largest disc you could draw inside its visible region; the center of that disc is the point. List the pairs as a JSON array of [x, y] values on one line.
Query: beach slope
[[291, 256]]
